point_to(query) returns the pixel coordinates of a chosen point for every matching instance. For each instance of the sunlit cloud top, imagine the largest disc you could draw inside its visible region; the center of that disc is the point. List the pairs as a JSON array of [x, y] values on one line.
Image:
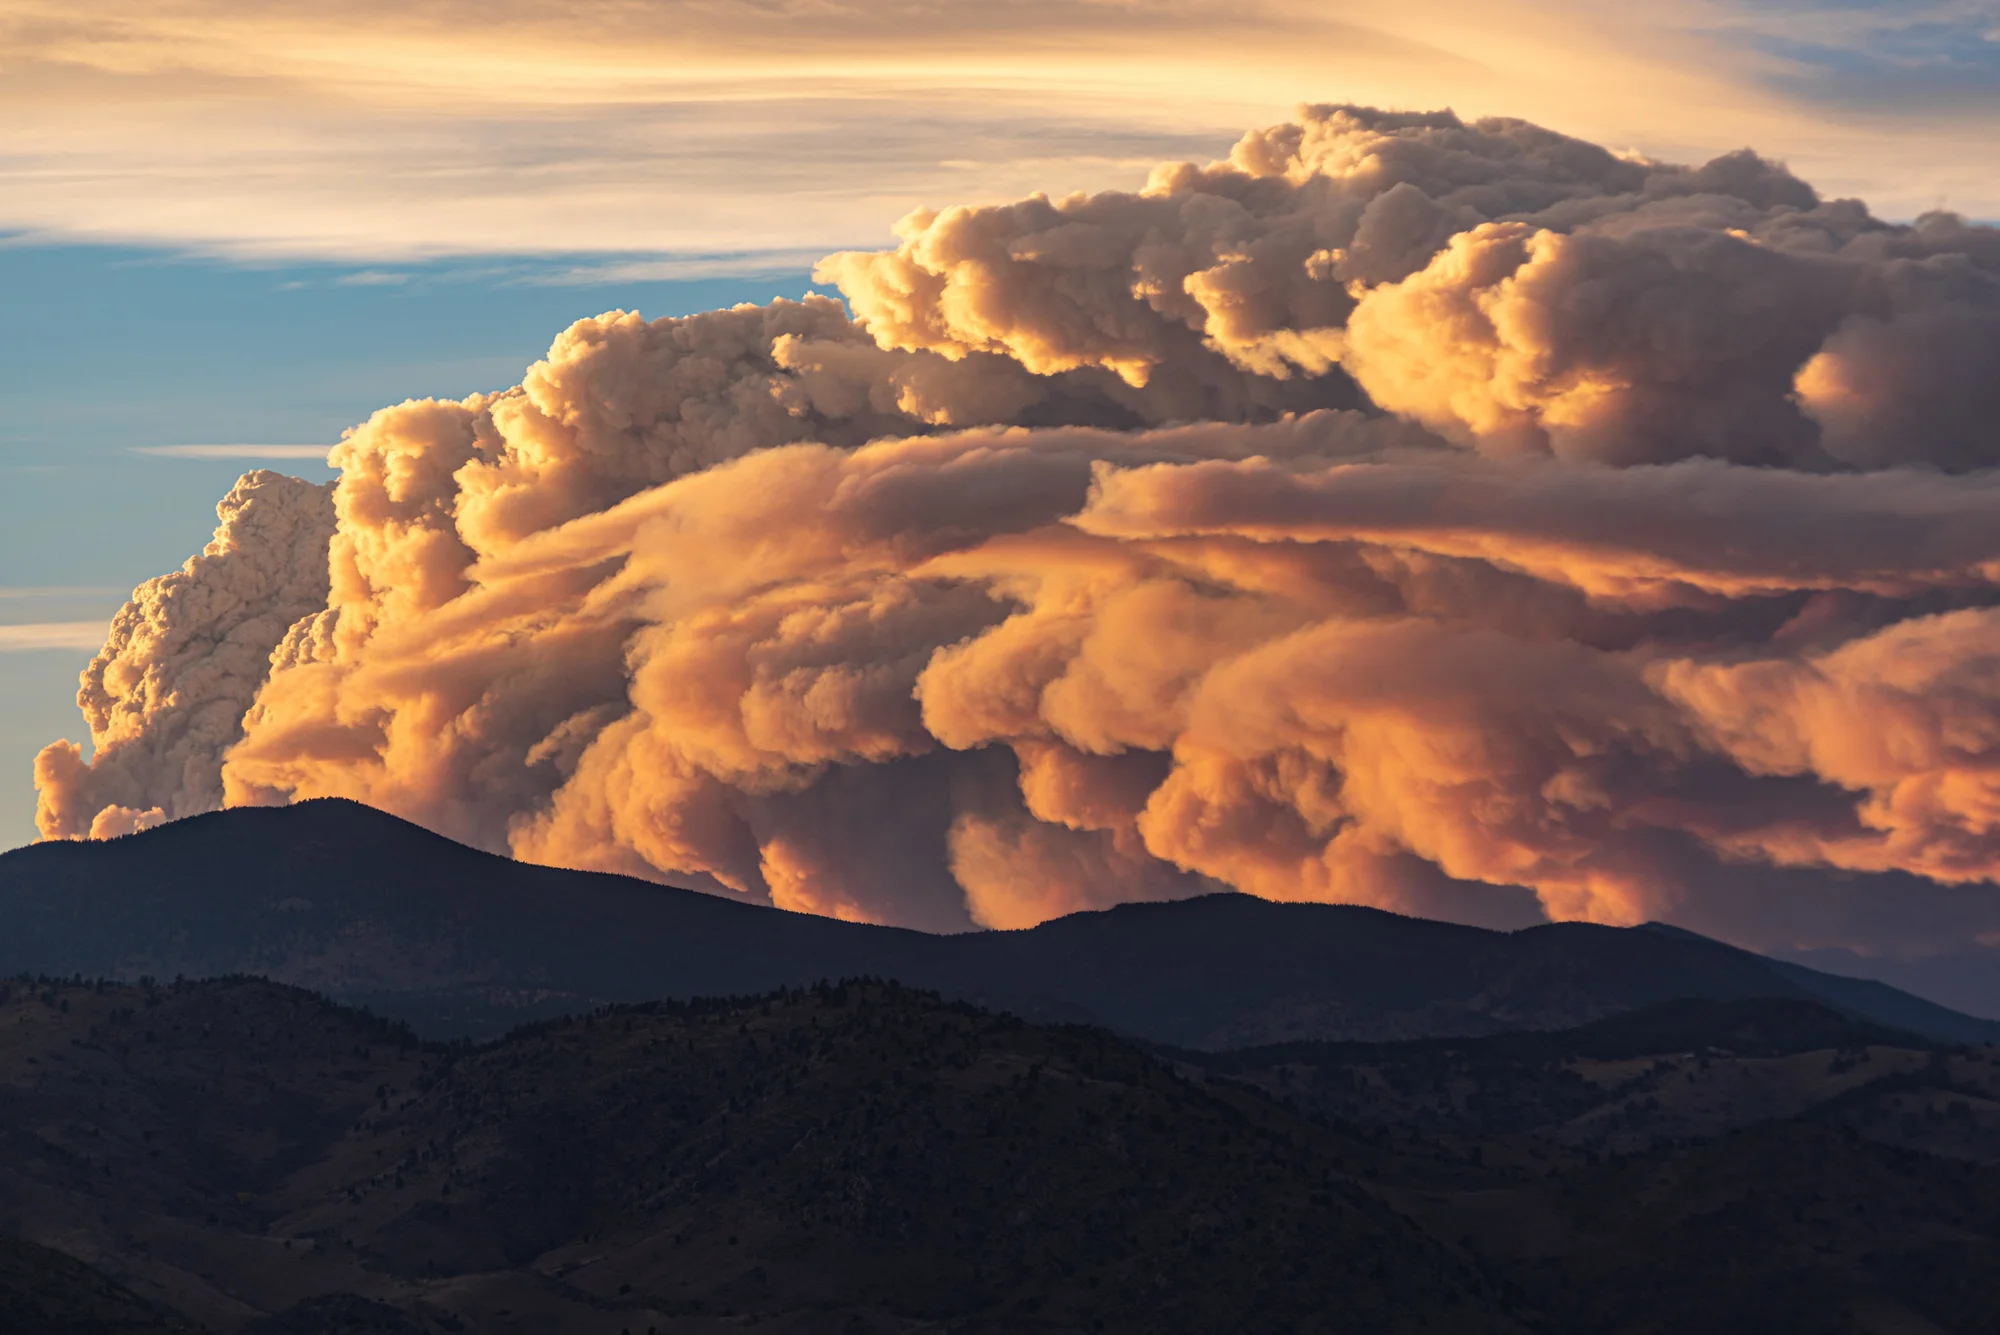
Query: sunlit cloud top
[[374, 131]]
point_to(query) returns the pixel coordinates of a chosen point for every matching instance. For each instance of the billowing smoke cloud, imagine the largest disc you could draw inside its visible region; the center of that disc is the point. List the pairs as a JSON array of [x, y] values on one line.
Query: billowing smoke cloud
[[1399, 508], [165, 697]]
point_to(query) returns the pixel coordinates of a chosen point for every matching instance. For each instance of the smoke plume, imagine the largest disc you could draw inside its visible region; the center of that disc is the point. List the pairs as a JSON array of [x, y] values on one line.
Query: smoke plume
[[1401, 511], [185, 657]]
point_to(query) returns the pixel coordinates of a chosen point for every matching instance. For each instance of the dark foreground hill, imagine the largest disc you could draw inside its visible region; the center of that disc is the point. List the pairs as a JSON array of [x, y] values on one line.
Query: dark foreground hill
[[1678, 1071], [371, 910], [242, 1157], [44, 1290], [859, 1158]]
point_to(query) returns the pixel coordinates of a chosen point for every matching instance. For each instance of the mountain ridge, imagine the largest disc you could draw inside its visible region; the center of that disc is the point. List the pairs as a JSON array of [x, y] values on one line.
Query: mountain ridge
[[373, 910]]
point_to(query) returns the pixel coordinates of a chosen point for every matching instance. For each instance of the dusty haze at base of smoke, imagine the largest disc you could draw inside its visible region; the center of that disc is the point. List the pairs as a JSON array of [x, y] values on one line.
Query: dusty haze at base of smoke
[[1398, 507]]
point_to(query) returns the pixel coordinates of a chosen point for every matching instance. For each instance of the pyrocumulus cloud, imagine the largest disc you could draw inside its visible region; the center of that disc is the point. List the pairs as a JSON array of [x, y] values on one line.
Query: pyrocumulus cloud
[[1397, 508]]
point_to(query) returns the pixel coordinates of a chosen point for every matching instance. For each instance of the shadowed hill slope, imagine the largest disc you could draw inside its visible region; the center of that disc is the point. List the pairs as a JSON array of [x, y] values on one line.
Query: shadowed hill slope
[[861, 1159], [44, 1292], [855, 1158], [1673, 1072], [370, 909]]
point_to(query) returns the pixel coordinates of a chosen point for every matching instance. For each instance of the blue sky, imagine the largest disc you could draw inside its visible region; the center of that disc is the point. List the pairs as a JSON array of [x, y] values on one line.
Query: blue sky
[[1909, 59], [114, 350]]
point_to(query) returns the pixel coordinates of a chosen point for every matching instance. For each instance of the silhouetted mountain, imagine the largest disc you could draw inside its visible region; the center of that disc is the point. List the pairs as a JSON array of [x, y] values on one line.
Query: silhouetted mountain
[[862, 1158], [1965, 978], [346, 900], [1232, 970], [372, 910]]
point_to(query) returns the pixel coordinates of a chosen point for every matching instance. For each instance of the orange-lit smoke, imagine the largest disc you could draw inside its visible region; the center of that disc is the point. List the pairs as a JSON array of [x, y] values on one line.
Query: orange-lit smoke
[[1399, 500], [185, 657]]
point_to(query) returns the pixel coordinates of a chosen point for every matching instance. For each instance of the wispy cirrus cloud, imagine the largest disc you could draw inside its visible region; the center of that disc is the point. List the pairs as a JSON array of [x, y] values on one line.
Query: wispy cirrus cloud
[[24, 593], [675, 268], [234, 451], [367, 131], [52, 635]]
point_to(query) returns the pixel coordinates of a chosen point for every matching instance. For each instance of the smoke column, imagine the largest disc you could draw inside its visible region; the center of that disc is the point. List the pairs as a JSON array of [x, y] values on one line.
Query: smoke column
[[1401, 511]]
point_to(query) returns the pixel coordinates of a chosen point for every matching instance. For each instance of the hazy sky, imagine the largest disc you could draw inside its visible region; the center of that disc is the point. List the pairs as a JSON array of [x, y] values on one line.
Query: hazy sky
[[668, 138], [229, 230], [374, 129]]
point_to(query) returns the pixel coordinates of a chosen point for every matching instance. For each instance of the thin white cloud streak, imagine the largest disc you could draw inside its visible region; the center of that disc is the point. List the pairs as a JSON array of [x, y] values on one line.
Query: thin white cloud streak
[[85, 635], [24, 592], [369, 131], [234, 451], [676, 268]]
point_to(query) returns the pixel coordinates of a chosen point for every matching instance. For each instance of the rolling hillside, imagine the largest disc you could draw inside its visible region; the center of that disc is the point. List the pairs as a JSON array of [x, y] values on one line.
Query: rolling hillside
[[242, 1158]]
